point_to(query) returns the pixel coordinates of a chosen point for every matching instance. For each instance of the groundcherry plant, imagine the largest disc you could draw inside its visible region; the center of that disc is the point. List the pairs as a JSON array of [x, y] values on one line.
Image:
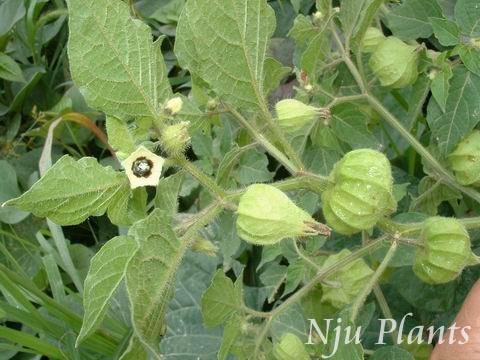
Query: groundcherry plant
[[331, 171]]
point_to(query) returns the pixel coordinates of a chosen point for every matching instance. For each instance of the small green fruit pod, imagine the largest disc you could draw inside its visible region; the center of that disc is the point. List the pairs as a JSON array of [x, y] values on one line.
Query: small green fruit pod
[[361, 192], [465, 160], [445, 252], [293, 115], [351, 279], [372, 39], [394, 63], [290, 347], [266, 216]]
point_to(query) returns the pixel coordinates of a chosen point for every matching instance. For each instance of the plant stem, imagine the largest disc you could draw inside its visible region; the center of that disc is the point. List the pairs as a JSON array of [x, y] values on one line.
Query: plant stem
[[258, 314], [420, 198], [387, 313], [205, 180], [267, 145], [305, 258], [360, 300], [304, 180], [471, 223], [285, 144]]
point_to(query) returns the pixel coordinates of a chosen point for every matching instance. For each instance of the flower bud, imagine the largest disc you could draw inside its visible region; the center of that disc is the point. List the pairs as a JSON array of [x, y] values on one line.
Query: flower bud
[[394, 63], [351, 278], [143, 168], [173, 106], [293, 115], [317, 17], [308, 88], [266, 216], [373, 37], [212, 104], [175, 138], [361, 192], [446, 250], [465, 160], [290, 347]]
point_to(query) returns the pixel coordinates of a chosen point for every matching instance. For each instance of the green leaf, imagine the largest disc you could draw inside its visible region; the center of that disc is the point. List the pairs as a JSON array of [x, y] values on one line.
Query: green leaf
[[272, 278], [357, 15], [410, 20], [421, 351], [227, 164], [166, 197], [429, 298], [467, 13], [119, 135], [462, 111], [470, 57], [440, 86], [224, 43], [315, 52], [274, 73], [321, 160], [231, 333], [107, 269], [227, 238], [346, 349], [446, 31], [187, 337], [9, 189], [135, 350], [295, 275], [253, 168], [350, 125], [391, 353], [11, 11], [302, 30], [221, 300], [33, 76], [292, 320], [9, 69], [431, 194], [70, 191], [128, 207], [113, 60], [151, 274]]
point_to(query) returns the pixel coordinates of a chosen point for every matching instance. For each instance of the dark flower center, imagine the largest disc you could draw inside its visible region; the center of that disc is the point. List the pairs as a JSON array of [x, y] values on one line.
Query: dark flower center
[[142, 167]]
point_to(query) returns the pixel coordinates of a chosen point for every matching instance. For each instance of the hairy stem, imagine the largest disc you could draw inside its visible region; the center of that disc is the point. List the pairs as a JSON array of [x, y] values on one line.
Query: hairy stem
[[267, 145], [303, 180], [360, 300], [387, 313], [205, 180]]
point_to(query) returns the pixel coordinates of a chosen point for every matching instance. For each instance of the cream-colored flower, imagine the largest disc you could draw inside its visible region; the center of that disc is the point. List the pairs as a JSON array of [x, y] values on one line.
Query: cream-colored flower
[[143, 168], [173, 106]]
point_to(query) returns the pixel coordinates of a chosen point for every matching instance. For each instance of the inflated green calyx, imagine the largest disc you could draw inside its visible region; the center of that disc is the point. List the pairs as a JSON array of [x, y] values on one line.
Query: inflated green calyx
[[465, 160], [290, 347], [351, 279], [293, 115], [445, 252], [372, 39], [395, 63], [361, 192], [266, 215]]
